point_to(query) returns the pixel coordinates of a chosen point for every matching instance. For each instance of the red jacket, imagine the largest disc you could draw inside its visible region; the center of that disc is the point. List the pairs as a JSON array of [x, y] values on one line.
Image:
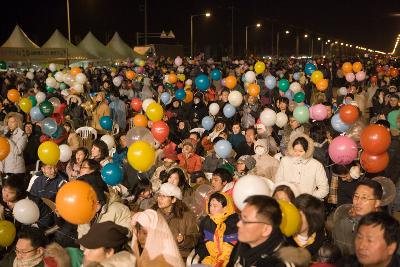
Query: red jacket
[[191, 164]]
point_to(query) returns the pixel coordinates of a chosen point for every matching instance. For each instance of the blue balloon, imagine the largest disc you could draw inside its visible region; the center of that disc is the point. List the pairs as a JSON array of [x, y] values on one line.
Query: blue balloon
[[207, 122], [49, 126], [165, 98], [111, 174], [216, 74], [296, 76], [310, 68], [289, 94], [338, 125], [223, 148], [106, 123], [270, 82], [229, 111], [202, 82], [180, 94], [58, 133], [35, 113]]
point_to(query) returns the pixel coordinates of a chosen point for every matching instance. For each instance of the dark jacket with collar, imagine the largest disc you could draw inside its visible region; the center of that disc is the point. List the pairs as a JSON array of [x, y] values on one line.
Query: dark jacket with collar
[[45, 187]]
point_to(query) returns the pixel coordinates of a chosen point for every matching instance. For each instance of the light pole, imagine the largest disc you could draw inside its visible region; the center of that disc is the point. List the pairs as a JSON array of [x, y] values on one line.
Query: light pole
[[69, 22], [277, 42], [258, 25], [191, 30]]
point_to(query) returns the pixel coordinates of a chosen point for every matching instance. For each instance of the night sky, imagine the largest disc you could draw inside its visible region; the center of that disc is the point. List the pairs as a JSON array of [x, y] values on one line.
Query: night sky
[[366, 23]]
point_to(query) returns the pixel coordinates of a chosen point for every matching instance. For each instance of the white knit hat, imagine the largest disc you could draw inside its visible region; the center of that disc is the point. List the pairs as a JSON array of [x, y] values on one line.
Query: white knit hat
[[170, 190]]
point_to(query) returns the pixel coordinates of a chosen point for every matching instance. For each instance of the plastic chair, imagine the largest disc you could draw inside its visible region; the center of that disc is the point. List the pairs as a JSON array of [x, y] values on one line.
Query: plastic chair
[[115, 129], [87, 134], [193, 258]]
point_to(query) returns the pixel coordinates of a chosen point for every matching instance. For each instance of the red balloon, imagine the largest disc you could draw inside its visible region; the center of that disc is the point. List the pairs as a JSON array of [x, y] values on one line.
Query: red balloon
[[348, 114], [394, 72], [374, 163], [375, 139], [160, 131], [136, 104]]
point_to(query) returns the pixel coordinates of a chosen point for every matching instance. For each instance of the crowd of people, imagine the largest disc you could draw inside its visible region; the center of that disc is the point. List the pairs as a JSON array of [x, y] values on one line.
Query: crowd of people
[[250, 163]]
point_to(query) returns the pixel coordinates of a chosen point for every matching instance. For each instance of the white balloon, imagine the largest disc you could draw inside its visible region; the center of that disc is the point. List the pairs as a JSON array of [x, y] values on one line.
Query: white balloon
[[65, 153], [109, 140], [57, 86], [59, 76], [68, 79], [268, 117], [213, 109], [117, 81], [188, 82], [52, 67], [342, 91], [281, 119], [80, 78], [26, 211], [51, 82], [249, 185], [180, 69], [32, 70], [40, 97], [146, 103], [178, 61], [29, 75], [295, 87], [78, 87], [235, 98], [250, 76]]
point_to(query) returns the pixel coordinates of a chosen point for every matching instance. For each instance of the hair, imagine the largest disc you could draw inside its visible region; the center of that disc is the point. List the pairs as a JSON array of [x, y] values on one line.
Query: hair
[[17, 183], [301, 141], [35, 235], [141, 186], [341, 169], [313, 210], [178, 208], [219, 197], [327, 104], [224, 90], [394, 95], [267, 207], [196, 134], [83, 149], [383, 123], [183, 185], [287, 190], [350, 95], [328, 253], [93, 165], [195, 175], [387, 223], [284, 100], [318, 132], [225, 175], [102, 147], [216, 139], [374, 185], [58, 253], [71, 127], [252, 128]]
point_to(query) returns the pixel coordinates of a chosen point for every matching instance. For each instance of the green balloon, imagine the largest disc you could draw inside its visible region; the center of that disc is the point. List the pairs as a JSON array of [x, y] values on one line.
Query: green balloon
[[169, 86], [3, 65], [33, 100], [63, 86], [392, 118], [283, 85], [299, 97], [50, 89], [46, 108], [301, 114]]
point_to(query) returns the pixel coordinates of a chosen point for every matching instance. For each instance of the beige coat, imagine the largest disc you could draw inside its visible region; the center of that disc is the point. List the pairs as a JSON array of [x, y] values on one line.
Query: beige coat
[[266, 166], [101, 110]]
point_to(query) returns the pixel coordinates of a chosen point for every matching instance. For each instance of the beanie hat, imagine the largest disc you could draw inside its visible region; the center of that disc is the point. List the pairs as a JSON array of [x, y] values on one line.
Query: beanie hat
[[248, 160]]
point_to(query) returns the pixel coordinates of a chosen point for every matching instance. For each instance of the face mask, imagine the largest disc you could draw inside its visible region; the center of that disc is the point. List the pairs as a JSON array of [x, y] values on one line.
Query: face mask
[[259, 150]]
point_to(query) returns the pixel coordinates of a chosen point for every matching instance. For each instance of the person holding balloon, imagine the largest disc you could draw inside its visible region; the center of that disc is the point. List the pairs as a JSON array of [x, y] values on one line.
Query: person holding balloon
[[101, 109], [188, 159], [75, 111]]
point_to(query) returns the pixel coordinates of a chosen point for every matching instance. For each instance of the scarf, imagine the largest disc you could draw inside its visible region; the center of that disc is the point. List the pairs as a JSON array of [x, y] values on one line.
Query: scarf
[[31, 262], [310, 240]]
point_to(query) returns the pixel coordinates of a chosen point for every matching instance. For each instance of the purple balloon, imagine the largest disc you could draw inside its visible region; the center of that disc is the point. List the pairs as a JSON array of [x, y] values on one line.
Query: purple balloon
[[318, 112], [223, 82], [343, 150]]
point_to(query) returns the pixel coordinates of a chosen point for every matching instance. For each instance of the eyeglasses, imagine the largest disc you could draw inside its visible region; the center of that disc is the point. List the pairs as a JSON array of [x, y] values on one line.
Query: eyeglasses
[[23, 252], [362, 199], [248, 222]]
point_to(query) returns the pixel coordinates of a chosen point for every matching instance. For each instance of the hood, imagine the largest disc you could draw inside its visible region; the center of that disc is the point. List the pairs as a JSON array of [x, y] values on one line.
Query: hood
[[310, 150], [263, 143]]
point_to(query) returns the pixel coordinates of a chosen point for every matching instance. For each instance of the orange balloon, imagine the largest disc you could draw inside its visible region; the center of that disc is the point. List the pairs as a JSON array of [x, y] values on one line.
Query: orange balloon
[[347, 67], [13, 95], [394, 72], [140, 120], [4, 148], [189, 96], [357, 66], [322, 84], [230, 82], [375, 139], [130, 74], [75, 70], [172, 78], [374, 163], [348, 114], [76, 202], [253, 89]]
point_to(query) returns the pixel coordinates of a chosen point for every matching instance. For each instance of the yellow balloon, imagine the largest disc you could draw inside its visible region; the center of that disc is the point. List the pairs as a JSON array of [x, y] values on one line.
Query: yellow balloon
[[181, 77], [49, 153], [259, 67], [155, 112], [142, 63], [316, 76], [250, 67], [25, 104], [291, 219], [7, 233], [141, 156]]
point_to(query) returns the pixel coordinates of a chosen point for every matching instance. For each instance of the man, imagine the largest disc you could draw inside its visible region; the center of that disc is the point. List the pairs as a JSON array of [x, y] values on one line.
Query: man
[[118, 110], [102, 241], [247, 147], [222, 181], [28, 251], [366, 199]]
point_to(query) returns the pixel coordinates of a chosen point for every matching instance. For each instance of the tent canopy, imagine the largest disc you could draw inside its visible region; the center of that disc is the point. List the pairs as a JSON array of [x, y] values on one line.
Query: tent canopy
[[93, 46], [18, 39], [119, 46]]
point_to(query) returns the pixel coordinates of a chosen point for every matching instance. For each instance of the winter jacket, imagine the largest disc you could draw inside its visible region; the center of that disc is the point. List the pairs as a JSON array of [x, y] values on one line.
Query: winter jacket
[[45, 187], [236, 139], [191, 164], [101, 110], [77, 115], [266, 166], [14, 162], [118, 113], [305, 173], [33, 144]]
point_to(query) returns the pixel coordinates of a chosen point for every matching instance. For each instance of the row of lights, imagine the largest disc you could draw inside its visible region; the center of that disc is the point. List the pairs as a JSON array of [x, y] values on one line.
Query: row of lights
[[395, 45]]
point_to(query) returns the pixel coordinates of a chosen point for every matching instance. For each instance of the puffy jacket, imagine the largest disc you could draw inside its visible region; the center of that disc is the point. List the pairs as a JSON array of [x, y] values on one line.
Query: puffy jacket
[[45, 187], [191, 164], [101, 110], [266, 166], [14, 162]]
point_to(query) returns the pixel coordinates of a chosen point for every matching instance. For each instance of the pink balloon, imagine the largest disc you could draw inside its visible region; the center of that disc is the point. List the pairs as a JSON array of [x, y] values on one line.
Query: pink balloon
[[318, 112], [360, 76], [223, 82], [343, 150], [350, 77]]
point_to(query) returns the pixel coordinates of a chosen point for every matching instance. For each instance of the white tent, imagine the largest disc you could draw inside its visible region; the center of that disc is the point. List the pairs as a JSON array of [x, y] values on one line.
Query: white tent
[[57, 40], [93, 46], [120, 47], [18, 39]]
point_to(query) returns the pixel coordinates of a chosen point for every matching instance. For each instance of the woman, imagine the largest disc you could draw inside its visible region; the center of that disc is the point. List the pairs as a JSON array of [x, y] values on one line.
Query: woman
[[73, 138], [75, 163], [284, 192], [74, 110], [101, 109], [33, 133], [141, 198], [177, 177], [99, 152], [244, 165], [302, 171], [218, 231]]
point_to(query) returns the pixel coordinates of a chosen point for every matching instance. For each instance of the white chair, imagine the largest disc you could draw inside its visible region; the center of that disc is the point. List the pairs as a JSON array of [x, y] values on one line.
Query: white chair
[[115, 129], [87, 134], [131, 124]]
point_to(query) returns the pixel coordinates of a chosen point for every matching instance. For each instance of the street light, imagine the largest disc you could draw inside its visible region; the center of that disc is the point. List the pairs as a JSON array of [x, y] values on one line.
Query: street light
[[258, 25], [305, 35], [319, 38], [69, 22], [287, 32], [208, 14]]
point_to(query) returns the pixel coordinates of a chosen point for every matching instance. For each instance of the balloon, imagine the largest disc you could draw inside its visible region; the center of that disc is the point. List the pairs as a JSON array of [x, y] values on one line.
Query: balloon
[[51, 82], [139, 133], [141, 156], [65, 153], [189, 96], [3, 65], [172, 78], [178, 61], [289, 94], [230, 82], [55, 102], [281, 119], [343, 150], [223, 148], [106, 123], [299, 97], [350, 77], [25, 104], [49, 153], [316, 76], [189, 82], [283, 85], [130, 74], [322, 84], [338, 125], [69, 79], [235, 98], [117, 81], [270, 82], [268, 117], [213, 109], [291, 218], [342, 91], [216, 74], [310, 68], [13, 95], [392, 118], [318, 112], [33, 100], [136, 104], [347, 67], [140, 120], [4, 148], [259, 67], [229, 110], [46, 108], [50, 89], [35, 114], [49, 126], [207, 122], [360, 76], [26, 211], [109, 140], [75, 70], [348, 113], [253, 89], [357, 66], [165, 98], [76, 202], [394, 72], [52, 67], [301, 114], [155, 112], [202, 82], [375, 139], [249, 185], [250, 76], [295, 87], [59, 76], [7, 233], [201, 195], [180, 94], [160, 131], [355, 130], [374, 163], [296, 76], [111, 174], [146, 103]]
